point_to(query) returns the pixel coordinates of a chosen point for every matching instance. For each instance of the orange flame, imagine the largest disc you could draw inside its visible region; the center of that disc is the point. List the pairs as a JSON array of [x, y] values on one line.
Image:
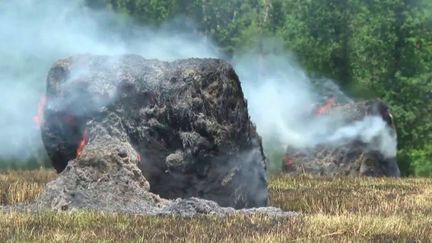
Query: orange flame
[[328, 104], [82, 143], [288, 162], [38, 119]]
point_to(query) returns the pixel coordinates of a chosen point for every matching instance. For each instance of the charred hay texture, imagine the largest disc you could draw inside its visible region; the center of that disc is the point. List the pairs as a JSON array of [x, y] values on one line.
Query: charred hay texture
[[108, 179], [176, 129], [350, 157]]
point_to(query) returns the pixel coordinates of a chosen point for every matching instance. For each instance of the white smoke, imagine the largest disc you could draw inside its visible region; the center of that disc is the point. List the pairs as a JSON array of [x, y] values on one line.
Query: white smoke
[[282, 99], [35, 33], [279, 95], [371, 130]]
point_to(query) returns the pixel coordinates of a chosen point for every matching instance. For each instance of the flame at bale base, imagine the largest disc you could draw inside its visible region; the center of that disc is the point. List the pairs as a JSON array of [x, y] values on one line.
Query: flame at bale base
[[82, 143], [326, 107]]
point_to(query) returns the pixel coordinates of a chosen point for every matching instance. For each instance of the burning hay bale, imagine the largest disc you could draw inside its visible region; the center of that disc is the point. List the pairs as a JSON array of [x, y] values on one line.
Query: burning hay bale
[[126, 132], [361, 140]]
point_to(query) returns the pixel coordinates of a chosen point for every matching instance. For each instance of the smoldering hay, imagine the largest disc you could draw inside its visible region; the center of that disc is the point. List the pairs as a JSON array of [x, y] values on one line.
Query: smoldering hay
[[363, 142], [279, 93], [132, 135], [351, 138], [154, 131]]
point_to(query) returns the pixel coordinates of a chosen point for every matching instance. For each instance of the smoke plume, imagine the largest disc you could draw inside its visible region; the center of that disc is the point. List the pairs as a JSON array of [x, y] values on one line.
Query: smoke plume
[[282, 99], [34, 34]]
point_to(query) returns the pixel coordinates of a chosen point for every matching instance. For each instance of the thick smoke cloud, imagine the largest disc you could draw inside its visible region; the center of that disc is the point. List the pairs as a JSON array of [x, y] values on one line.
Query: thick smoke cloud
[[35, 33], [280, 96]]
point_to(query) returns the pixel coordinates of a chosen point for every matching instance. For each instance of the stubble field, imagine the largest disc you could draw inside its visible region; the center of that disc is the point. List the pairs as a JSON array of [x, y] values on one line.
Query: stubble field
[[333, 209]]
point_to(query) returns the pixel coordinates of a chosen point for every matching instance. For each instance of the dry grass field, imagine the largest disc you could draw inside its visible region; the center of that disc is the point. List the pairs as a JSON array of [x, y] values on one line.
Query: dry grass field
[[334, 210]]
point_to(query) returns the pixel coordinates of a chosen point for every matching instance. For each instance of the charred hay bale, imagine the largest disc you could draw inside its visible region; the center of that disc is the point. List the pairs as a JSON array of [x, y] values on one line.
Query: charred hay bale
[[185, 125], [370, 154], [106, 178]]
